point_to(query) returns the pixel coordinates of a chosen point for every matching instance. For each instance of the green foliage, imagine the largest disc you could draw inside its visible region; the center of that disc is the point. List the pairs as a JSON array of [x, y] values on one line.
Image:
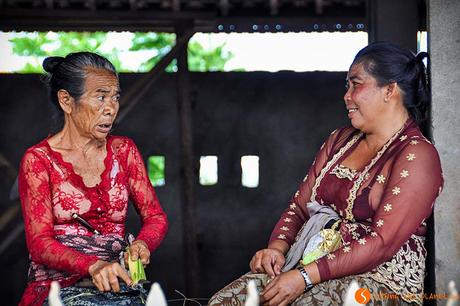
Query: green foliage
[[156, 170], [31, 45], [44, 44], [200, 59], [161, 42]]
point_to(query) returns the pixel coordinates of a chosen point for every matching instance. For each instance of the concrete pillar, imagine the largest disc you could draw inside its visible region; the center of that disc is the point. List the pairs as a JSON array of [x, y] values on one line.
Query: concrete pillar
[[444, 46]]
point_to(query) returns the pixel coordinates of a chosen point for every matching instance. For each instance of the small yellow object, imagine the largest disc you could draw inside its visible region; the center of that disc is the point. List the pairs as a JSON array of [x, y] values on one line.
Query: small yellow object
[[330, 240], [136, 269]]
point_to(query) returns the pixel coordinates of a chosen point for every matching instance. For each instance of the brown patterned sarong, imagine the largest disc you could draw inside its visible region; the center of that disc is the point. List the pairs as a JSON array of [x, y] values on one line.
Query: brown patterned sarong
[[331, 292]]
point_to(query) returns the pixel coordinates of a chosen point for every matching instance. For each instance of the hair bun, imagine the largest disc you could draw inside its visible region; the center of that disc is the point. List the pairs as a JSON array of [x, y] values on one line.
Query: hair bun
[[50, 63]]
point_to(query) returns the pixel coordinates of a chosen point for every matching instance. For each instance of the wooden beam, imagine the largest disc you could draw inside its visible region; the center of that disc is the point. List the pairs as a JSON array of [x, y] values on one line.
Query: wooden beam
[[137, 91], [188, 169]]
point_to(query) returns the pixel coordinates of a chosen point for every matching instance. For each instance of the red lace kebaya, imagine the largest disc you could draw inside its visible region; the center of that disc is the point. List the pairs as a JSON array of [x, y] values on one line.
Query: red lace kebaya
[[51, 192]]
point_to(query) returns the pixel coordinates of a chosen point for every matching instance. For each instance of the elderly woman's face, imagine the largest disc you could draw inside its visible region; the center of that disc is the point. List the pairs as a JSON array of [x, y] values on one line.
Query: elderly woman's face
[[364, 99], [95, 112]]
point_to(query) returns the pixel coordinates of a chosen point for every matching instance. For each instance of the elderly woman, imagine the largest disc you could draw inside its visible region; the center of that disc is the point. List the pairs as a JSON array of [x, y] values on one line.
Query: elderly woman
[[372, 185], [75, 185]]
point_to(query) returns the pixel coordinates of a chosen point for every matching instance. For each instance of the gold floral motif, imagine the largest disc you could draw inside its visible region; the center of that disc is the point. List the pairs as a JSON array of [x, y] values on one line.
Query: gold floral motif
[[403, 137], [297, 194], [291, 213], [387, 207], [330, 256], [346, 249], [343, 172], [380, 179], [292, 206], [404, 173], [373, 234], [380, 223], [413, 142], [410, 156], [281, 236], [287, 220], [362, 241], [284, 228], [396, 190]]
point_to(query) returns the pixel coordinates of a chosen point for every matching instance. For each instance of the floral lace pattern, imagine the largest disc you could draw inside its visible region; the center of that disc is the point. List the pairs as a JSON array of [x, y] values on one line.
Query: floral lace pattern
[[342, 172], [51, 192], [405, 272]]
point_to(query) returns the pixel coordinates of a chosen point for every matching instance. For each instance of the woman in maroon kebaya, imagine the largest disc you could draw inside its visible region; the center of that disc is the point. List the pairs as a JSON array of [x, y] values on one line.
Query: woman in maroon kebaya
[[380, 177]]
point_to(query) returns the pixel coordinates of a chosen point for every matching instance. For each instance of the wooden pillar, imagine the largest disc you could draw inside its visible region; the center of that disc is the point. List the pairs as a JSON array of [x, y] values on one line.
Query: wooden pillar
[[188, 176]]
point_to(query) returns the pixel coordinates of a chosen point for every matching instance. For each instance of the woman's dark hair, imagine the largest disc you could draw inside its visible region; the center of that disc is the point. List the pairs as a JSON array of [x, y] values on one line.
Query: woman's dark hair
[[70, 73], [389, 63]]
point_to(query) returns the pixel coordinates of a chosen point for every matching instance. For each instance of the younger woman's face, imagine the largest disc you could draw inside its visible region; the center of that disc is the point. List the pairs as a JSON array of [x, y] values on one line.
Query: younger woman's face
[[364, 99]]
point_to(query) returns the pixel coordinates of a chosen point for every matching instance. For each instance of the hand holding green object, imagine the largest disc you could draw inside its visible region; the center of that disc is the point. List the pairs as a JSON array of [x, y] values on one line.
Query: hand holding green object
[[136, 269]]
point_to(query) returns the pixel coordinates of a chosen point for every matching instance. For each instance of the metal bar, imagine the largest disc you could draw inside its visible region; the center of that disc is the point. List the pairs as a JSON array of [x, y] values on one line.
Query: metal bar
[[136, 91], [188, 177]]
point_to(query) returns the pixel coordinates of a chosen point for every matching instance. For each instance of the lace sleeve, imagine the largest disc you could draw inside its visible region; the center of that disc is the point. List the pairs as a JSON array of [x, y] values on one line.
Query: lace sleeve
[[35, 194], [154, 221], [296, 214], [413, 184]]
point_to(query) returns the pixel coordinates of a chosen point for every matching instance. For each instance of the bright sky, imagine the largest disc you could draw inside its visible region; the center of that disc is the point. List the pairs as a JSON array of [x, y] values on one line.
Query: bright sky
[[326, 51]]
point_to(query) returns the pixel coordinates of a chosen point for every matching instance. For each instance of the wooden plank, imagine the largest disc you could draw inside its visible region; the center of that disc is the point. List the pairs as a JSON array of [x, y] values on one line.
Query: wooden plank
[[188, 178]]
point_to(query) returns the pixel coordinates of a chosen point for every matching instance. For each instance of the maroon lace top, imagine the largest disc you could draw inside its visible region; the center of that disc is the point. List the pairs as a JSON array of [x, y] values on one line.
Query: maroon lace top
[[51, 192], [384, 207]]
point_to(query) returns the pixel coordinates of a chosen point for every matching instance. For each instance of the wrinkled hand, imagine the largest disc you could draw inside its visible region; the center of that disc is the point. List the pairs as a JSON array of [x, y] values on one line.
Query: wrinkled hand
[[105, 275], [267, 261], [283, 289], [138, 249]]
